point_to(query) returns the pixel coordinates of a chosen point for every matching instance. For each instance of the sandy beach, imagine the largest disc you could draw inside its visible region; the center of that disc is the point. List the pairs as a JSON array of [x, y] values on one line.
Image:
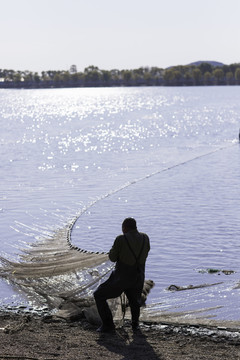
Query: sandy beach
[[25, 336]]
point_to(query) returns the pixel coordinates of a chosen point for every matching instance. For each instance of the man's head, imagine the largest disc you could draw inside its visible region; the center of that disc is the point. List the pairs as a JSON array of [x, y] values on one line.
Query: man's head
[[129, 224]]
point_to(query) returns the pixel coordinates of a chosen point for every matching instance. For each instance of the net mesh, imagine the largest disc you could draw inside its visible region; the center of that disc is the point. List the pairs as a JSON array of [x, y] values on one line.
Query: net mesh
[[52, 270]]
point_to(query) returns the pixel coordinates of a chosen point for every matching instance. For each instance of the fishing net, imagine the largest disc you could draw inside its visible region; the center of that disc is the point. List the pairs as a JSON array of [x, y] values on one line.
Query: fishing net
[[52, 270], [63, 277]]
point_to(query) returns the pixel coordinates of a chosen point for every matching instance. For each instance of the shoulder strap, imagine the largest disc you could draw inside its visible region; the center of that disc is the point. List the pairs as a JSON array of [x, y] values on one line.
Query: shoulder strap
[[140, 253]]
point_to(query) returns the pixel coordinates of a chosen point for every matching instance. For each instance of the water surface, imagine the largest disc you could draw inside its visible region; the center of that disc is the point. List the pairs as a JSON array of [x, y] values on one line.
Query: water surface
[[167, 156]]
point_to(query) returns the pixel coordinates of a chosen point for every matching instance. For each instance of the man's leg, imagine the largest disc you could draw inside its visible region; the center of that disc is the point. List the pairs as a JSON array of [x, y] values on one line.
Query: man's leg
[[134, 298], [106, 291]]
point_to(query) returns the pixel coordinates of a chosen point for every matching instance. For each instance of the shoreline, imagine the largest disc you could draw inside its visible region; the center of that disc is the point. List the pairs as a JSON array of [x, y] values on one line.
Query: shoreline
[[28, 336]]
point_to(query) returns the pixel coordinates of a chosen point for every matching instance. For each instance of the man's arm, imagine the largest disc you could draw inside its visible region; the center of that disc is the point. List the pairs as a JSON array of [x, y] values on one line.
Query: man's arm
[[114, 252]]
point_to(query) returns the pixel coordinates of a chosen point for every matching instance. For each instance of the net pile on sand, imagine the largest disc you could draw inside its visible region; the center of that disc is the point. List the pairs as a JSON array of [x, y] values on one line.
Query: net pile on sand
[[52, 269]]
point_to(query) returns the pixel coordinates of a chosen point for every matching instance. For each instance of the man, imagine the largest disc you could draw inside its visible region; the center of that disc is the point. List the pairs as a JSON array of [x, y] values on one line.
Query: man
[[130, 252]]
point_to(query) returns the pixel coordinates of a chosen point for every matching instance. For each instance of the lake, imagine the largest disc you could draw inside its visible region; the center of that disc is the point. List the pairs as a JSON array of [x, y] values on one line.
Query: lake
[[167, 156]]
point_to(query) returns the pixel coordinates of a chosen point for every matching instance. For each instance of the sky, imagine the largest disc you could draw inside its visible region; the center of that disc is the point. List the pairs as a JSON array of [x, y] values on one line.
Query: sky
[[42, 35]]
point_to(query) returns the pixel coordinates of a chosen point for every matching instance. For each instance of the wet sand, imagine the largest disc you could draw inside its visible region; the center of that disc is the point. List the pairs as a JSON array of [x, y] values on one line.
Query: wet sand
[[37, 337]]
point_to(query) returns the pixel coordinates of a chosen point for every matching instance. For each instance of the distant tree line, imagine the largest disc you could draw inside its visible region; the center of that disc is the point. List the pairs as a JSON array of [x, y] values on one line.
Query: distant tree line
[[189, 75]]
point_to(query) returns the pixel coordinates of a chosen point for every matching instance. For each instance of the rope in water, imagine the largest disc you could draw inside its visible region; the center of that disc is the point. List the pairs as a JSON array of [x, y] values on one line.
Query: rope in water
[[130, 183]]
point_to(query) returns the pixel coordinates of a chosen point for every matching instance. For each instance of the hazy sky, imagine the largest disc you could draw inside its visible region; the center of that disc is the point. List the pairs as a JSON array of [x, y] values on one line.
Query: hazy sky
[[40, 35]]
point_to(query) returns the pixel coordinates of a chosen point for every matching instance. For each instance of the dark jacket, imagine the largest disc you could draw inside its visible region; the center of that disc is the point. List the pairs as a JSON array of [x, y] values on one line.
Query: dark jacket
[[130, 252]]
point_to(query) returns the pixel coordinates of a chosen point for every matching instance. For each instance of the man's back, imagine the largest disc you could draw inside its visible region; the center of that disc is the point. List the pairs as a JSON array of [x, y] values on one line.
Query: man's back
[[121, 249]]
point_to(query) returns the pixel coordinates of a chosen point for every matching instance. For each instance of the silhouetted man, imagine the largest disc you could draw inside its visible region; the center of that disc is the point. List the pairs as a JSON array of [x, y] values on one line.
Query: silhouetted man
[[130, 252]]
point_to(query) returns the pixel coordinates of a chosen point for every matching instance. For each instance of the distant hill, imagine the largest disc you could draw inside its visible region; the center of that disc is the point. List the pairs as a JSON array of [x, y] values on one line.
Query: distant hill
[[197, 63], [213, 63]]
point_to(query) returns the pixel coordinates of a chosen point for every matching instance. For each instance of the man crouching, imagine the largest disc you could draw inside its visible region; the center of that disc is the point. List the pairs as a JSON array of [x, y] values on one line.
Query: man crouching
[[130, 252]]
